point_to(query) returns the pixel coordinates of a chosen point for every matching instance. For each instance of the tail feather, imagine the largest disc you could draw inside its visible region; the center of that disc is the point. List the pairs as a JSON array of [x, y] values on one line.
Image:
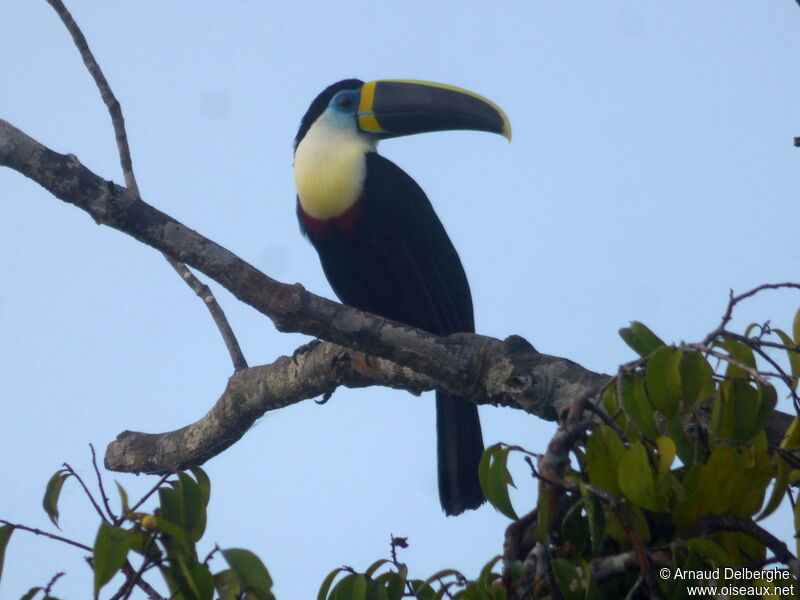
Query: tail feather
[[459, 445]]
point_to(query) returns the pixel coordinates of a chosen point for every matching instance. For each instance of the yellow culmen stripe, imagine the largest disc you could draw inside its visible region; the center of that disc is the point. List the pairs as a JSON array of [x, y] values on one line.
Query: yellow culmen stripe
[[366, 116], [506, 122]]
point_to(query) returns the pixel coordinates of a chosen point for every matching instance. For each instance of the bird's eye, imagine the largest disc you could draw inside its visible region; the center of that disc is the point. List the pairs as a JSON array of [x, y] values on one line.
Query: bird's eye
[[346, 101]]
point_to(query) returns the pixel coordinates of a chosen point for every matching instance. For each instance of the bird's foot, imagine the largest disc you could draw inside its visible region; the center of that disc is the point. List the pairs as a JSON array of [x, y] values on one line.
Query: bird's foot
[[305, 348]]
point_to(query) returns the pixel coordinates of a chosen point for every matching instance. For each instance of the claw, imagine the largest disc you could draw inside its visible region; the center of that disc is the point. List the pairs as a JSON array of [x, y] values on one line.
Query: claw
[[325, 397], [305, 348]]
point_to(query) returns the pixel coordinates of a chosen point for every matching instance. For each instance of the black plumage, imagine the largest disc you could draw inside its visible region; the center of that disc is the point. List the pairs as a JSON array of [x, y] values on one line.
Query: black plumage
[[398, 262], [381, 245]]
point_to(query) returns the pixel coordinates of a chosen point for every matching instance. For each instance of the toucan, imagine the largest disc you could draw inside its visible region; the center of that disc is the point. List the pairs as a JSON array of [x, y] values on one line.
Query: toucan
[[381, 245]]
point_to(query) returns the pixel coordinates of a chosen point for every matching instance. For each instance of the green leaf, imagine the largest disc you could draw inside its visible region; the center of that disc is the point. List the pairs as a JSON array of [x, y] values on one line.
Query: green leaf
[[603, 451], [52, 492], [5, 535], [228, 585], [711, 550], [636, 478], [184, 505], [251, 572], [732, 481], [394, 583], [640, 339], [326, 584], [589, 583], [767, 399], [359, 588], [423, 589], [742, 354], [684, 445], [31, 593], [666, 454], [713, 475], [618, 532], [797, 526], [376, 591], [692, 504], [343, 590], [745, 406], [193, 507], [495, 479], [722, 412], [123, 497], [596, 520], [426, 591], [198, 578], [796, 328], [177, 543], [110, 552], [445, 573], [376, 565], [778, 489], [696, 378], [663, 380], [791, 439], [610, 403], [569, 581], [486, 575], [203, 483], [637, 405], [170, 505], [793, 355]]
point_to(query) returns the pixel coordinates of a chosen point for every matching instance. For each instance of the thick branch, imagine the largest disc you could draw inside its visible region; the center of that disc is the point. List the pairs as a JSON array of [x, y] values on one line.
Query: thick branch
[[482, 369], [457, 362], [118, 122], [289, 306], [315, 372], [249, 394]]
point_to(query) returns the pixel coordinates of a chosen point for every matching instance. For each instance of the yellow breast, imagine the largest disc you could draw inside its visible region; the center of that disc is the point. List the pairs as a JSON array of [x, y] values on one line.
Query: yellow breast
[[329, 169]]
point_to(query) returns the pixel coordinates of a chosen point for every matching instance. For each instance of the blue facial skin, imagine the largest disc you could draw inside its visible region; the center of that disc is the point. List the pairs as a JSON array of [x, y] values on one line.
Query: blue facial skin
[[345, 102]]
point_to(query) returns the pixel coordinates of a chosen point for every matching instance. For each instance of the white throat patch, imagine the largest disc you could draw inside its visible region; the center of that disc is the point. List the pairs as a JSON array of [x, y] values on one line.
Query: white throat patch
[[330, 167]]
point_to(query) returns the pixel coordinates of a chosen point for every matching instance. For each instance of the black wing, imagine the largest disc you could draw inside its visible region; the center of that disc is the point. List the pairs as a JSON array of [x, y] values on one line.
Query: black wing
[[399, 262]]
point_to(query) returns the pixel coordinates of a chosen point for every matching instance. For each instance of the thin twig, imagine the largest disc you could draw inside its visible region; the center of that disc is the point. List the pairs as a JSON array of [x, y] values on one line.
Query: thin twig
[[109, 99], [734, 300], [103, 495], [632, 591], [211, 554], [757, 345], [52, 536], [606, 418], [129, 571], [49, 587], [133, 577], [711, 523], [205, 294], [754, 373], [118, 122], [88, 493], [152, 490]]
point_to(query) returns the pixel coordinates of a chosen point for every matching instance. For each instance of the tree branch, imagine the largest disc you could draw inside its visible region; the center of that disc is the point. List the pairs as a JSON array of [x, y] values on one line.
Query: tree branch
[[204, 293], [109, 99], [483, 369], [124, 151], [252, 392]]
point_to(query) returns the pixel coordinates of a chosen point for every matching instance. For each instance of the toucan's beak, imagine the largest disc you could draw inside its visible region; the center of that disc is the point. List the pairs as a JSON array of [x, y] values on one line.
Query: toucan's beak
[[395, 107]]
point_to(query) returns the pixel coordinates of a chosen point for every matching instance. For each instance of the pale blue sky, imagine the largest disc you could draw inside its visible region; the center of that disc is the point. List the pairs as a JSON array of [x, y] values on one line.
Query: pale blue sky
[[652, 170]]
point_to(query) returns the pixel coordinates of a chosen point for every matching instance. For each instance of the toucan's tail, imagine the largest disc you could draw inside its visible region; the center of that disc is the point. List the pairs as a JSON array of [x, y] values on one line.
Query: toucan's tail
[[459, 445]]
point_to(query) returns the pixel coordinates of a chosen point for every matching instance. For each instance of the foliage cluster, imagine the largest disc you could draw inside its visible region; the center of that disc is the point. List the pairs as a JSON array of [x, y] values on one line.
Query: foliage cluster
[[668, 467]]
